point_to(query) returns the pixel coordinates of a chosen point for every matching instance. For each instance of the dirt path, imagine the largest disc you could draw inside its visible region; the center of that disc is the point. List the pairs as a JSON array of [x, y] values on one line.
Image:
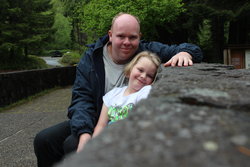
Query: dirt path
[[20, 124]]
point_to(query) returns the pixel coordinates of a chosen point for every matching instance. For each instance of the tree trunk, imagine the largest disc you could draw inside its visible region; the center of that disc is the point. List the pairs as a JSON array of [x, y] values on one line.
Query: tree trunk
[[26, 51], [217, 30], [238, 31]]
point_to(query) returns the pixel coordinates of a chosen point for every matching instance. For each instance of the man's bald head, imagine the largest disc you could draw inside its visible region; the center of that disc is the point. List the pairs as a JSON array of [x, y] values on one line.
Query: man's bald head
[[124, 37], [125, 16]]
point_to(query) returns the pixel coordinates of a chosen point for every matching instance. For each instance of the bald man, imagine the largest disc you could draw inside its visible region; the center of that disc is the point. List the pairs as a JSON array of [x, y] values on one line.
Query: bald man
[[100, 70]]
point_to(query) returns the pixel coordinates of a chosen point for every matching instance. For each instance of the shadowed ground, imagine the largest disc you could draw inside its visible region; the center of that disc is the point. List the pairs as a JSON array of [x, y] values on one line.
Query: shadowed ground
[[20, 124]]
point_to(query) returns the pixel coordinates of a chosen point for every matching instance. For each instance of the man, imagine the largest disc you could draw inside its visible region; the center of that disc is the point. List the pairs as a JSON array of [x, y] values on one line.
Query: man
[[101, 69]]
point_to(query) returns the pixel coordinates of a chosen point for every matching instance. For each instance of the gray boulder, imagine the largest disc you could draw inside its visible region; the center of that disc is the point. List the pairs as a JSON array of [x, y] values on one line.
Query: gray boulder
[[196, 116]]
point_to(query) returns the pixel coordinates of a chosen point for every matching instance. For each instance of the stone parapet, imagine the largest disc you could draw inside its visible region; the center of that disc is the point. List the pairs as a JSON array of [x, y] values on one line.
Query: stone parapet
[[15, 86], [196, 116]]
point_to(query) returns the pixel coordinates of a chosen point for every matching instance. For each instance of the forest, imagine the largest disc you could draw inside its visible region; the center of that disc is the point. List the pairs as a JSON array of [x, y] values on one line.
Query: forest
[[33, 28]]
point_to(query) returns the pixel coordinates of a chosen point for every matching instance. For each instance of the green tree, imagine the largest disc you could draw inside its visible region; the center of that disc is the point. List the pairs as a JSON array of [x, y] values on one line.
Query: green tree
[[25, 28], [220, 14], [62, 27], [97, 15], [72, 10], [239, 28]]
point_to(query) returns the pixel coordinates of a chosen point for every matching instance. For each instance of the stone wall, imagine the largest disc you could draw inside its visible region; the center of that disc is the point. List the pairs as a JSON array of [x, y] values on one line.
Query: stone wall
[[18, 85], [196, 116]]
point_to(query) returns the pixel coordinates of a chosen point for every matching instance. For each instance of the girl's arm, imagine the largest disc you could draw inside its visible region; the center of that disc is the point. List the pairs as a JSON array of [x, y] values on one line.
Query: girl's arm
[[83, 139], [102, 122]]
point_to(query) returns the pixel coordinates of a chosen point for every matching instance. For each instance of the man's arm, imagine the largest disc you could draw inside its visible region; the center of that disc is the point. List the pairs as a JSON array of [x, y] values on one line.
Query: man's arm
[[180, 59], [181, 55], [102, 123], [82, 111], [87, 94]]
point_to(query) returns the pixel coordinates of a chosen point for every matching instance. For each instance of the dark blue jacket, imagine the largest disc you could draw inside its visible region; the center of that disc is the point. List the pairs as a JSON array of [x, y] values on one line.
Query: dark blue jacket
[[89, 85]]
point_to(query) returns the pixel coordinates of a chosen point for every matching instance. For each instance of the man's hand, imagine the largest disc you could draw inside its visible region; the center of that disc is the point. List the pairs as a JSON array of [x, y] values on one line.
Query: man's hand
[[83, 139], [180, 59]]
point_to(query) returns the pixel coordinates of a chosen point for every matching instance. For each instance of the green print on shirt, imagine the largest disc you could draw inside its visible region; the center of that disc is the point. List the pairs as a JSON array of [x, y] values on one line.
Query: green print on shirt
[[116, 113]]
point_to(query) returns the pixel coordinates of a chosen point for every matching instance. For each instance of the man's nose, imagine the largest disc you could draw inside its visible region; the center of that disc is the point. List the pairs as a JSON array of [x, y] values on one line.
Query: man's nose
[[126, 41]]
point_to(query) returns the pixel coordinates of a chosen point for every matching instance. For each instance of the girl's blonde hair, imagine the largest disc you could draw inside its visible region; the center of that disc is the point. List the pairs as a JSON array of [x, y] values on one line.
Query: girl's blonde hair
[[151, 56]]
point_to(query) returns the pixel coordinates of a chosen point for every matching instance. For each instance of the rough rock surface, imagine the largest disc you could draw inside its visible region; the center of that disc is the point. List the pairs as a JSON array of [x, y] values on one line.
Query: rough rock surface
[[195, 116]]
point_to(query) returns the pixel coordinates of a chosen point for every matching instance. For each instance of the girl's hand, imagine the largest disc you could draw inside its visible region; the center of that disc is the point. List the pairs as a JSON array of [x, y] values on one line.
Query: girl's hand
[[83, 139]]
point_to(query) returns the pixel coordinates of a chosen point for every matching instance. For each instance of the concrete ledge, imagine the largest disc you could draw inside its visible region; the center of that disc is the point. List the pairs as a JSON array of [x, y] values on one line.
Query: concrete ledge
[[195, 116], [18, 85]]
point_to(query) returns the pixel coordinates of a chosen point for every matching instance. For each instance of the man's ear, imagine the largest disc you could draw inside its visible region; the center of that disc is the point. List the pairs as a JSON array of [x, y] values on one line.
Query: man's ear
[[110, 35]]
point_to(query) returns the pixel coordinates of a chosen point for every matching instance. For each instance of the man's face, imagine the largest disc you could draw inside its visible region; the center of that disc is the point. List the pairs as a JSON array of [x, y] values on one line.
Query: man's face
[[124, 37]]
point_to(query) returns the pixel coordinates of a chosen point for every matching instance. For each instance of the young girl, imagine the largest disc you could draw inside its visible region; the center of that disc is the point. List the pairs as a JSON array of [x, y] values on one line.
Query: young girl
[[117, 103]]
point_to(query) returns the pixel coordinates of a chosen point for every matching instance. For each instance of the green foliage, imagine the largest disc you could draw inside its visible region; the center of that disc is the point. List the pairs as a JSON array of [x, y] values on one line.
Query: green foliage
[[24, 63], [220, 15], [62, 33], [62, 27], [25, 29], [71, 58], [204, 36], [34, 62], [98, 14]]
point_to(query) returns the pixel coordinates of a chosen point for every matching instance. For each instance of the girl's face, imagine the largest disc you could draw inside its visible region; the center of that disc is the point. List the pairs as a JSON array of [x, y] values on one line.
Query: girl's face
[[142, 74]]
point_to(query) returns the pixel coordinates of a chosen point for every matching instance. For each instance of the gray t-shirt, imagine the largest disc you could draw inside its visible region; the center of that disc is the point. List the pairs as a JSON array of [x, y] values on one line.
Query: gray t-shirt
[[114, 76]]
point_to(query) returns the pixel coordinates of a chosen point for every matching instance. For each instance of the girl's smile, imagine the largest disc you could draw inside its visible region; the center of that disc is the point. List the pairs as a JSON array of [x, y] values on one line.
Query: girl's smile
[[142, 74]]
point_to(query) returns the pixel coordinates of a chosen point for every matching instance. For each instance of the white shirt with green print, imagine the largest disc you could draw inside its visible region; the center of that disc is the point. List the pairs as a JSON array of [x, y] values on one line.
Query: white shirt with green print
[[119, 105]]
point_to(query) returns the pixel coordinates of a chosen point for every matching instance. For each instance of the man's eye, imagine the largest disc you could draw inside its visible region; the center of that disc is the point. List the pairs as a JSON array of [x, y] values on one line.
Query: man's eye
[[120, 36], [133, 38]]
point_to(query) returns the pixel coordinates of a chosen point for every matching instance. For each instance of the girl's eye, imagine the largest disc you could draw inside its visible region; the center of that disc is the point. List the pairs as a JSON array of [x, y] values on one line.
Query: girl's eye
[[150, 76], [139, 69]]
